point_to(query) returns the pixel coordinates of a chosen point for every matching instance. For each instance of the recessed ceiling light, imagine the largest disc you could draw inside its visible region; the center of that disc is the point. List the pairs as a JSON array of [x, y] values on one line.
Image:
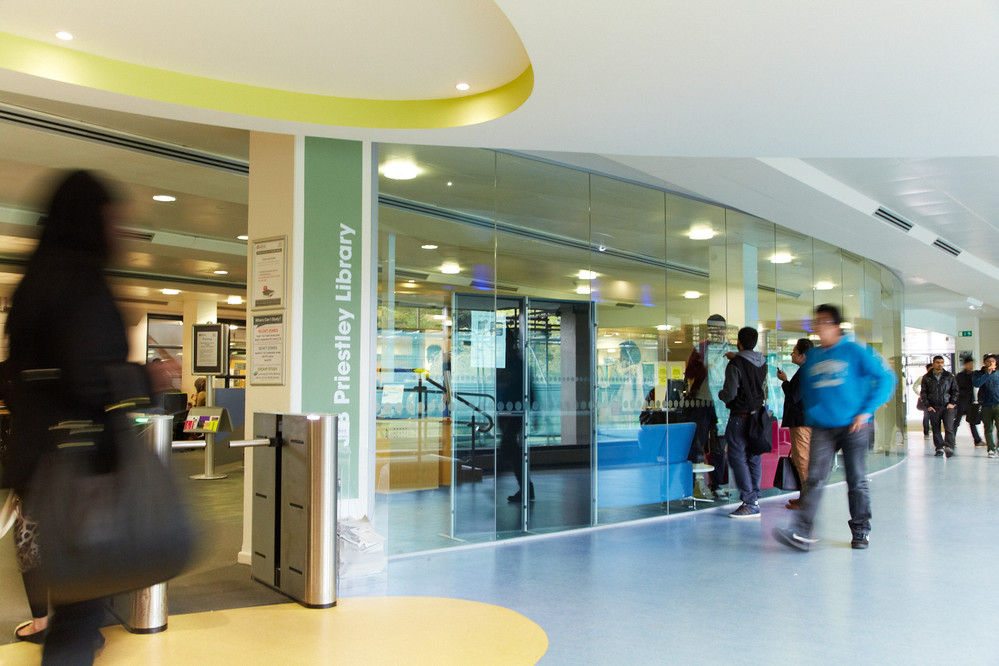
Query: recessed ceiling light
[[781, 258], [450, 183], [400, 170], [428, 246], [64, 36], [583, 289], [171, 292], [701, 233], [586, 275], [234, 300], [463, 86], [164, 197], [450, 268], [221, 272], [691, 294], [664, 327], [233, 327], [242, 238], [824, 285]]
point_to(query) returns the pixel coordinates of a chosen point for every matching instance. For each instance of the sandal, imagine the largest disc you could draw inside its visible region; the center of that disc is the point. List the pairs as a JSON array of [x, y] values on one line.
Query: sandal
[[37, 638]]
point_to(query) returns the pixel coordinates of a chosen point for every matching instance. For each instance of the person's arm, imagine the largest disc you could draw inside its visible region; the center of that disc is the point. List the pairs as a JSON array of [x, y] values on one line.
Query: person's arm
[[978, 378], [924, 395], [731, 386], [954, 392], [917, 386]]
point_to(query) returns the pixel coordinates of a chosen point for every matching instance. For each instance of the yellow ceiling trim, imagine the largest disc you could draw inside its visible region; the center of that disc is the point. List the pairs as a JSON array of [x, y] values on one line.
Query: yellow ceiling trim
[[57, 63]]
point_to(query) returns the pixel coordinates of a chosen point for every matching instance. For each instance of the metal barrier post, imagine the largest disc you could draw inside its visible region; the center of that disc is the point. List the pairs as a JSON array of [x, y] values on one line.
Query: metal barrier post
[[145, 611]]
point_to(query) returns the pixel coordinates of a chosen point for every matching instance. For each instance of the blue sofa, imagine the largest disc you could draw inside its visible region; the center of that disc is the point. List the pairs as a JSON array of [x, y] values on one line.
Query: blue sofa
[[644, 465]]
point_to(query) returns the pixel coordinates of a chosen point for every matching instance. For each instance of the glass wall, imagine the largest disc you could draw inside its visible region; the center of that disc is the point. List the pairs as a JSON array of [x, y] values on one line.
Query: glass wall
[[551, 343]]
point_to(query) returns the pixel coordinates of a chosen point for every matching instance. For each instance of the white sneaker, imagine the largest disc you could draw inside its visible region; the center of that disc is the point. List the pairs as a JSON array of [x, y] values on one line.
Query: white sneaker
[[992, 454]]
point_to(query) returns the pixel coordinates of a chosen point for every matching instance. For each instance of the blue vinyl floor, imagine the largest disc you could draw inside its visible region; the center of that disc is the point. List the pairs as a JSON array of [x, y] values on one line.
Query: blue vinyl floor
[[703, 588]]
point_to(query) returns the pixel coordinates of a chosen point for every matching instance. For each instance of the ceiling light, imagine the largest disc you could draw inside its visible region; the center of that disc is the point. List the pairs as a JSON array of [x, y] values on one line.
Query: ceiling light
[[171, 292], [164, 197], [242, 238], [824, 285], [664, 327], [449, 183], [781, 258], [583, 289], [400, 170], [234, 300], [463, 86], [691, 294], [586, 275], [701, 233], [846, 325], [428, 246], [450, 268], [975, 302], [63, 35], [221, 272], [601, 248]]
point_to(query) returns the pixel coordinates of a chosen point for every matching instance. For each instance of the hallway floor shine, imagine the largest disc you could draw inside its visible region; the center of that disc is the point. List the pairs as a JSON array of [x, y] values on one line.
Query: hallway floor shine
[[691, 588]]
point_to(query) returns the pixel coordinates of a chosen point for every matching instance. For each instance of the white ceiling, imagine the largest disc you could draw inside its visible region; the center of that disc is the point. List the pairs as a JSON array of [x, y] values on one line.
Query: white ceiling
[[809, 115]]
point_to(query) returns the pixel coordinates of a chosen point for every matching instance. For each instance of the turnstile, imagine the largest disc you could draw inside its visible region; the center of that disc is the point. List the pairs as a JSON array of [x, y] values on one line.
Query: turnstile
[[294, 538]]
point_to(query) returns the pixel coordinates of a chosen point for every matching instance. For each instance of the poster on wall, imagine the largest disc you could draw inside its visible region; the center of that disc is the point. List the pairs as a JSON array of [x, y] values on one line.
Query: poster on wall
[[268, 273], [267, 357], [209, 349]]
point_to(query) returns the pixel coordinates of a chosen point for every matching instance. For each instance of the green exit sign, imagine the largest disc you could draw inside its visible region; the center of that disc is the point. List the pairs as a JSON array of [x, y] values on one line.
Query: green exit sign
[[965, 334]]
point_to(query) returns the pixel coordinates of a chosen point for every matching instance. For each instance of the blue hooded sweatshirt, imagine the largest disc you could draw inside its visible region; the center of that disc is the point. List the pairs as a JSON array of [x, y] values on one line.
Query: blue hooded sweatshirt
[[842, 381]]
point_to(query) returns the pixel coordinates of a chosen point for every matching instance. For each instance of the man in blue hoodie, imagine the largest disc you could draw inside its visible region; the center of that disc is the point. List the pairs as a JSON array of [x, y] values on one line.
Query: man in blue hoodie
[[843, 383], [743, 394], [986, 381]]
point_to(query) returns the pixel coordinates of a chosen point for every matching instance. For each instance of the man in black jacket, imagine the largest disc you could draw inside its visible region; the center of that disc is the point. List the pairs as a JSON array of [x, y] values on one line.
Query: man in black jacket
[[965, 398], [743, 393], [939, 393]]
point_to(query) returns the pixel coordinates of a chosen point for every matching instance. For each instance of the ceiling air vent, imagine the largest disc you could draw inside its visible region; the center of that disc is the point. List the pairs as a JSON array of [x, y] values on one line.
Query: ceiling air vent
[[946, 247], [133, 235], [893, 219]]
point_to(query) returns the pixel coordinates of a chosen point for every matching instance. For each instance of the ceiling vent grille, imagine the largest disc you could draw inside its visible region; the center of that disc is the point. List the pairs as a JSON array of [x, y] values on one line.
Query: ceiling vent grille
[[893, 219], [132, 235], [946, 247]]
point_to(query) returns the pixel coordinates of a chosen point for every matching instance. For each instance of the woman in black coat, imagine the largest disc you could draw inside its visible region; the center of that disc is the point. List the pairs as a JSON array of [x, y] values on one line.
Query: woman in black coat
[[794, 416], [63, 317]]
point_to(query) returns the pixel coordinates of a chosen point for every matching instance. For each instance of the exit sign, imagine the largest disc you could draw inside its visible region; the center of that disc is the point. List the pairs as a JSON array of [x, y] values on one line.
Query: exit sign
[[965, 334]]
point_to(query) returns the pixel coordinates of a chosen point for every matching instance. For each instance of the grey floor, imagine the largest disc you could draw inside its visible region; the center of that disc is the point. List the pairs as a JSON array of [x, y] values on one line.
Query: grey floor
[[701, 588]]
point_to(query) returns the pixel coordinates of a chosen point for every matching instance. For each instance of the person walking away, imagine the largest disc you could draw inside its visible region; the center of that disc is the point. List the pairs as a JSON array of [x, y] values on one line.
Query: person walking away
[[986, 381], [965, 398], [916, 388], [705, 374], [794, 417], [939, 394], [842, 384], [743, 394]]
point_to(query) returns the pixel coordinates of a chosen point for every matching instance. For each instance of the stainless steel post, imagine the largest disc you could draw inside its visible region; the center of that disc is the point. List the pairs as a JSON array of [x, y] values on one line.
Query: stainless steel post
[[320, 580], [210, 473], [145, 611]]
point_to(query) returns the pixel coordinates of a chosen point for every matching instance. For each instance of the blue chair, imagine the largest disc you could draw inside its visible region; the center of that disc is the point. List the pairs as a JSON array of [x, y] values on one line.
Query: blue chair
[[650, 467]]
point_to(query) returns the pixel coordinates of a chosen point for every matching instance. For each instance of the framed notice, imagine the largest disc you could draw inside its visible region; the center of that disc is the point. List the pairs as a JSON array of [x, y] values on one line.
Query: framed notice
[[267, 287], [267, 350], [210, 342]]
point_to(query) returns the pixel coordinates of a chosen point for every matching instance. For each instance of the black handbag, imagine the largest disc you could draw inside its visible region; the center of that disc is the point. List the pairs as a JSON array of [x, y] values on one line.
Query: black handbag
[[109, 514], [759, 434], [974, 414], [786, 475]]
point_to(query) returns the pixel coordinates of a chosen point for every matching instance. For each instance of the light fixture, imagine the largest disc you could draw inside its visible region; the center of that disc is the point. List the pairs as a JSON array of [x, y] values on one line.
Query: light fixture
[[450, 268], [170, 292], [583, 289], [221, 272], [400, 170], [781, 258], [846, 325], [64, 36], [164, 197], [664, 327], [691, 294], [601, 248], [233, 327], [824, 285], [701, 233], [234, 300], [975, 302], [463, 86], [428, 246], [449, 183], [587, 275], [243, 238]]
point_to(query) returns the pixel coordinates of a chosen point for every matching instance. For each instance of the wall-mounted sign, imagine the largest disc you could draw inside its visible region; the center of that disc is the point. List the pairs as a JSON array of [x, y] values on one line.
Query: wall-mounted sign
[[268, 273], [965, 334], [267, 351], [210, 341]]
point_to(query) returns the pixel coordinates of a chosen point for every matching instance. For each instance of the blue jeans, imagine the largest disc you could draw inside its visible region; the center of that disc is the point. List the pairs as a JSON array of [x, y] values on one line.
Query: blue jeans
[[824, 445], [747, 470]]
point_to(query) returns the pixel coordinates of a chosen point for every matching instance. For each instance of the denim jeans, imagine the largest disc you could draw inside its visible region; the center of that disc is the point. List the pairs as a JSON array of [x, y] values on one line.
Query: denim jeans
[[990, 421], [824, 445], [941, 414], [747, 470]]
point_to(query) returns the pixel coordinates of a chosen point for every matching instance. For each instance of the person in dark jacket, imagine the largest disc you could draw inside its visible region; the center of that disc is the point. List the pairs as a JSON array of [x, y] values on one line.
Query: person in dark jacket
[[743, 394], [794, 416], [966, 397], [939, 393], [63, 317], [986, 381]]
